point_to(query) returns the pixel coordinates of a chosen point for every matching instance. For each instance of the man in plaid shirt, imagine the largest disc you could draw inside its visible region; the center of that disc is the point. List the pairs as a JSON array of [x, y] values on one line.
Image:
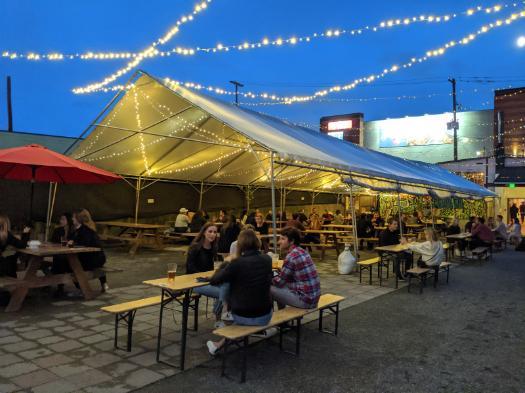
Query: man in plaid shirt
[[297, 284]]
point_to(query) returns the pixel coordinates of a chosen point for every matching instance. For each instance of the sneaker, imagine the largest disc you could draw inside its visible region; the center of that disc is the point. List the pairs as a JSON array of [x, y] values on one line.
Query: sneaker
[[218, 325], [105, 287], [227, 316], [75, 293], [212, 349]]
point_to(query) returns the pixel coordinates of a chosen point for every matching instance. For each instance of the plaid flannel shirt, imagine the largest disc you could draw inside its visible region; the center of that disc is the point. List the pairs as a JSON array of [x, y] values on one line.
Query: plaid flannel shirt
[[300, 276]]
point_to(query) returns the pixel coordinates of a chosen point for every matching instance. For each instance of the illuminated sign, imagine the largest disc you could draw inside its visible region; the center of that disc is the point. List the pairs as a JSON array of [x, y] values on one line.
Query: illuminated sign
[[339, 125], [512, 185], [415, 131], [336, 134]]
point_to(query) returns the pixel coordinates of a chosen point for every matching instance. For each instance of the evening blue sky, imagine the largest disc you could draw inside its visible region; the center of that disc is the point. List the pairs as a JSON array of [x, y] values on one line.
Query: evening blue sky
[[43, 102]]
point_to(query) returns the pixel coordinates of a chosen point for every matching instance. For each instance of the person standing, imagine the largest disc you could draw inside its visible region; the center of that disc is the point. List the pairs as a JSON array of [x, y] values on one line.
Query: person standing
[[298, 283], [522, 211], [229, 233], [8, 264], [513, 212], [249, 277]]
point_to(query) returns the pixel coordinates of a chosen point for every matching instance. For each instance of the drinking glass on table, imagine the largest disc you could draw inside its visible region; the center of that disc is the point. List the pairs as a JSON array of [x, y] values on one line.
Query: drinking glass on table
[[63, 241], [172, 270]]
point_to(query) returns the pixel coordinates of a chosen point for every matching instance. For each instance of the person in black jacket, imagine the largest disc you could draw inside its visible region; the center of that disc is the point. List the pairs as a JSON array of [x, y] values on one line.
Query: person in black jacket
[[201, 255], [365, 228], [85, 234], [250, 278], [390, 237], [8, 264], [62, 233], [197, 221], [229, 232]]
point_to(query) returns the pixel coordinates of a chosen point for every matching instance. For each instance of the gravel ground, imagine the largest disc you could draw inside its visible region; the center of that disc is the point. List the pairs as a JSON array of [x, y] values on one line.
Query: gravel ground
[[468, 336]]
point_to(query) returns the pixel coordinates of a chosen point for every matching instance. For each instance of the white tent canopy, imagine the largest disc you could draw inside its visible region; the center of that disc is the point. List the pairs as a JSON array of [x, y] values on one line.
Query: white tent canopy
[[154, 131]]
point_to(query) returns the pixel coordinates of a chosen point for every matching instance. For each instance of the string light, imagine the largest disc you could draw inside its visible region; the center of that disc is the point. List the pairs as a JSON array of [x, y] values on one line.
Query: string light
[[141, 136], [265, 42], [150, 51], [430, 54]]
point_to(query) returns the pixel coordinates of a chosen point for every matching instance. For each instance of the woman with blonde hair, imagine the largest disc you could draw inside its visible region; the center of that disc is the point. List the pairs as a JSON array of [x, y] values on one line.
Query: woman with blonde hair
[[250, 278], [85, 235], [431, 251], [8, 264]]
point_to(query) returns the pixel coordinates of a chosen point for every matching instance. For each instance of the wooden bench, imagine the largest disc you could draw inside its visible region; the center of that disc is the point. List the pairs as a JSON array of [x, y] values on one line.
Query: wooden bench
[[126, 311], [286, 319], [419, 273], [500, 244], [367, 264], [368, 240]]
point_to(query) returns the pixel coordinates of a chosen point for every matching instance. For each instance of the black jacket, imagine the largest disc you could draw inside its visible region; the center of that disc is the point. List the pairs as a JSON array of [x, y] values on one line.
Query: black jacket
[[453, 230], [364, 228], [228, 236], [199, 260], [87, 237], [388, 238], [250, 278], [197, 222], [58, 233], [14, 242]]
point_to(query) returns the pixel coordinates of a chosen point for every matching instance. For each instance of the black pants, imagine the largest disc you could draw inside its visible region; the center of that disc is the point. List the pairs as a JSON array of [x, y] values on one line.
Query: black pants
[[8, 266], [406, 258], [476, 242]]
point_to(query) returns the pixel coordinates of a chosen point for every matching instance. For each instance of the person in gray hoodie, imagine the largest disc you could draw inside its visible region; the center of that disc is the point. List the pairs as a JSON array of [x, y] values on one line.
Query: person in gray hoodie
[[431, 251]]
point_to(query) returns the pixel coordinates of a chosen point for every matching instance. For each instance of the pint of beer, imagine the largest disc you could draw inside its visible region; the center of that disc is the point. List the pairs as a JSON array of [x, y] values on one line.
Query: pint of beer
[[172, 270]]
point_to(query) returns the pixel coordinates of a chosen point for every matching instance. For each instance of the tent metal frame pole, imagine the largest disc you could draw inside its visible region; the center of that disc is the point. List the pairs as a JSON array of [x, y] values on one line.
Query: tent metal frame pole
[[137, 199], [453, 207], [399, 214], [201, 193], [432, 210], [248, 198], [354, 224], [274, 224]]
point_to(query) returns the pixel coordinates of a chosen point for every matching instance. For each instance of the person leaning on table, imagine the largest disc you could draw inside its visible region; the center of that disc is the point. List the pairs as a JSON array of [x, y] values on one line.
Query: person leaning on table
[[298, 283], [249, 276], [8, 264], [201, 256], [431, 251]]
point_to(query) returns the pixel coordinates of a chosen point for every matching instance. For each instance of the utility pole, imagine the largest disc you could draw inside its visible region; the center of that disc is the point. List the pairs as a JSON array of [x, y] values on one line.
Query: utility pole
[[9, 106], [237, 85], [454, 121]]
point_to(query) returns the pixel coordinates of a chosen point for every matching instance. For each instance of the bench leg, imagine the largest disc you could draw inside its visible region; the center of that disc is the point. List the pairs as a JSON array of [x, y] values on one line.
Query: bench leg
[[360, 274], [336, 318], [281, 334], [321, 320], [448, 270], [436, 277], [131, 317], [409, 282], [244, 359], [224, 355], [370, 270], [298, 337], [116, 332]]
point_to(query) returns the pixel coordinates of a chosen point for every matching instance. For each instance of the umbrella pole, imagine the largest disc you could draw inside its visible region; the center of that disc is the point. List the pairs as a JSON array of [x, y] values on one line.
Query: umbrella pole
[[31, 200], [274, 225], [48, 219]]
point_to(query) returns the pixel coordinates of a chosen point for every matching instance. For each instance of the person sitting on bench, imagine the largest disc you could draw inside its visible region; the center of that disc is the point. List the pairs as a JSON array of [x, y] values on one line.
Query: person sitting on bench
[[8, 264], [201, 256], [482, 235], [432, 252], [298, 283], [390, 237], [250, 277], [501, 229]]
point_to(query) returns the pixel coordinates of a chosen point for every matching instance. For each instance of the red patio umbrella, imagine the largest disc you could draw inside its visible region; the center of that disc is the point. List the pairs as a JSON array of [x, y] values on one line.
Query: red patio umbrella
[[36, 163]]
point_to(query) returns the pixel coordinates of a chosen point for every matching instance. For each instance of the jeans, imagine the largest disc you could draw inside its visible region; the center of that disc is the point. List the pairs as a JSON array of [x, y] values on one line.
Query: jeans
[[219, 292], [283, 297], [255, 321]]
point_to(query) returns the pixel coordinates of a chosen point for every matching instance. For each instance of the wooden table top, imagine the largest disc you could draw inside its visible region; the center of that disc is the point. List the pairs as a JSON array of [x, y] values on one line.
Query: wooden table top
[[415, 225], [123, 224], [380, 228], [50, 249], [181, 283], [394, 248], [324, 232], [460, 236], [344, 226]]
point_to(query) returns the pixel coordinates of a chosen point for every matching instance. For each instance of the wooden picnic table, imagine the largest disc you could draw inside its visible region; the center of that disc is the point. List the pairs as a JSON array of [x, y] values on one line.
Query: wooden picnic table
[[133, 233], [29, 278], [170, 291]]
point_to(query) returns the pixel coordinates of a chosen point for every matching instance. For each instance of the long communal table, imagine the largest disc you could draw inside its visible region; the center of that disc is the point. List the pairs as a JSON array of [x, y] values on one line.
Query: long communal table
[[133, 233], [396, 250], [28, 279]]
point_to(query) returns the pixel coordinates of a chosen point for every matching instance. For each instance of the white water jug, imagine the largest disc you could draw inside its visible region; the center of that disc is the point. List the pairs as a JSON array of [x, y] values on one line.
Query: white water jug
[[346, 261]]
